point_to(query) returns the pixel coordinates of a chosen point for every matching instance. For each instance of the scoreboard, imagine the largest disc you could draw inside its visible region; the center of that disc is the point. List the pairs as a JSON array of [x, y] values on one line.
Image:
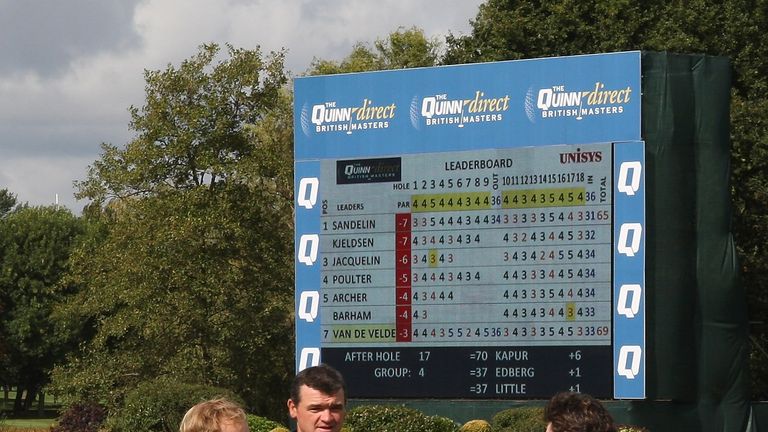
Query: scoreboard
[[473, 231]]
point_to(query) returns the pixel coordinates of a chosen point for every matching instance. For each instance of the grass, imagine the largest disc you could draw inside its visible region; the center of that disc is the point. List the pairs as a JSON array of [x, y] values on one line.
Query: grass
[[22, 429], [50, 401], [26, 425], [29, 423]]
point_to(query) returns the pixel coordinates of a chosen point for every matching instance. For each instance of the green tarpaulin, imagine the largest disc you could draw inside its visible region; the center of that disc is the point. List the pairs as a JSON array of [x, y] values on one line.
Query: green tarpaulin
[[697, 329]]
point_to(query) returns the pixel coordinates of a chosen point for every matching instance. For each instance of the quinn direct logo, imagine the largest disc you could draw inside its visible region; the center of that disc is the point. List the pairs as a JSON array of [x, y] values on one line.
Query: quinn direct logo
[[442, 110], [379, 170], [329, 117], [558, 101]]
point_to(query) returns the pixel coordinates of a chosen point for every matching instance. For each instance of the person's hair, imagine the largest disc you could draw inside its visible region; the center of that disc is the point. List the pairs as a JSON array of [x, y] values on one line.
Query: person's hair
[[577, 412], [322, 377], [208, 416]]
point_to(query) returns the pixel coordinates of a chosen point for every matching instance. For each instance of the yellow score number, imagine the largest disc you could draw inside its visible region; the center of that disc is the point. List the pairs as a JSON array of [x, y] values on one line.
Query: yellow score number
[[533, 198], [453, 202]]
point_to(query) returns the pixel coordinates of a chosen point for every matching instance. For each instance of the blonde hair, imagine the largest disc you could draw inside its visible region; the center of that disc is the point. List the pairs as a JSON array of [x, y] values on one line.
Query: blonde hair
[[208, 416]]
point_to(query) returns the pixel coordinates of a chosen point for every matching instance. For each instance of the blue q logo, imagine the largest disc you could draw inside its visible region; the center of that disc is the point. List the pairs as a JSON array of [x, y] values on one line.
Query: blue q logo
[[629, 361], [308, 245], [635, 168], [308, 305], [629, 300], [629, 238], [309, 357], [308, 185]]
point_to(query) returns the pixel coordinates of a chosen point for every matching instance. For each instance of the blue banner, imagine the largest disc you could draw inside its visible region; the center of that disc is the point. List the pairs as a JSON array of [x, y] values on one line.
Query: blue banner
[[561, 100]]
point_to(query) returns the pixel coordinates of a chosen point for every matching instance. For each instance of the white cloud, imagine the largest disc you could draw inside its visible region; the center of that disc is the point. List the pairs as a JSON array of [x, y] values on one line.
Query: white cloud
[[45, 179], [51, 124]]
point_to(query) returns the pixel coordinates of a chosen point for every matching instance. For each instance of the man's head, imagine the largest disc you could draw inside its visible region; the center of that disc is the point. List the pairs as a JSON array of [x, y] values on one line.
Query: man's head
[[577, 412], [318, 400], [216, 415]]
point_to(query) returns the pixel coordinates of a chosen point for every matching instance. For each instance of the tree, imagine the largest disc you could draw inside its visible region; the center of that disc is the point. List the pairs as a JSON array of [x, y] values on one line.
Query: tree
[[189, 275], [404, 48], [513, 29], [192, 130], [7, 201], [189, 285], [35, 244]]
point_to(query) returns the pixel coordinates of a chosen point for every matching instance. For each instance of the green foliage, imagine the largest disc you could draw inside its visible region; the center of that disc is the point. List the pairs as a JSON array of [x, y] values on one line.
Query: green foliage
[[476, 426], [407, 48], [382, 418], [404, 48], [519, 419], [159, 405], [749, 188], [81, 417], [188, 272], [361, 59], [630, 428], [261, 424], [35, 245], [505, 30], [7, 201], [184, 286], [191, 131]]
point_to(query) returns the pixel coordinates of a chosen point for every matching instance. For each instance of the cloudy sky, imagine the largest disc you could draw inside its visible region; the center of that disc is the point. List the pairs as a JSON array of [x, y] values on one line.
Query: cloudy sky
[[69, 69]]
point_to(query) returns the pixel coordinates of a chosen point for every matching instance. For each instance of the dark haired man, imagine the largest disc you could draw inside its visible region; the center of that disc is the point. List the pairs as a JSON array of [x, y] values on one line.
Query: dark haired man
[[577, 412], [318, 400]]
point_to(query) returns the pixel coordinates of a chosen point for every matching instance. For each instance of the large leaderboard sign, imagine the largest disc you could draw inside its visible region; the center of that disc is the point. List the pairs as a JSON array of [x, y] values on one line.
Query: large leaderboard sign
[[473, 231]]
